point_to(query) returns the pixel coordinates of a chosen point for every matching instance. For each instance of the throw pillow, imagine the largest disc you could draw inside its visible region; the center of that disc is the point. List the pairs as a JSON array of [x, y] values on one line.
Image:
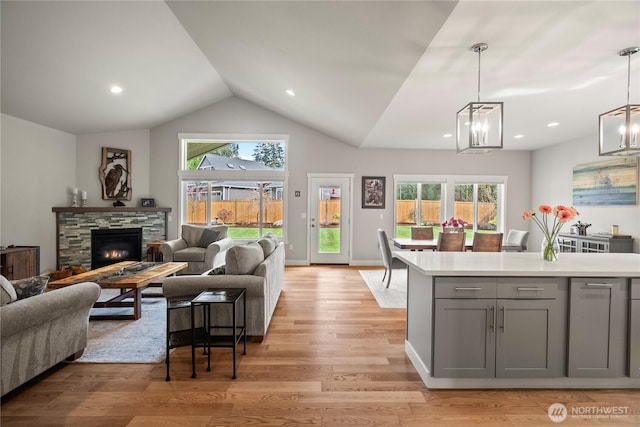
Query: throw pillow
[[268, 246], [32, 286], [217, 271], [208, 237], [243, 259], [7, 292]]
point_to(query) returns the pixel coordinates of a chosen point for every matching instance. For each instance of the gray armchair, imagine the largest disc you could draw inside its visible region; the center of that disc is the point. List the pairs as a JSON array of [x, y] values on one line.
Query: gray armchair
[[202, 247]]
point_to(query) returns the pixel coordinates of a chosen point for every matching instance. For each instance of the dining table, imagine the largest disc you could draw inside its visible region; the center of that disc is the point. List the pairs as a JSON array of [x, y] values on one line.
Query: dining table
[[432, 244]]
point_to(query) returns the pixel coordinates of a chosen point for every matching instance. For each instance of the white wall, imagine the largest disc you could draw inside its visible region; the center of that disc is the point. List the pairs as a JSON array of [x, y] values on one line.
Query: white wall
[[552, 184], [38, 171], [89, 155], [312, 151]]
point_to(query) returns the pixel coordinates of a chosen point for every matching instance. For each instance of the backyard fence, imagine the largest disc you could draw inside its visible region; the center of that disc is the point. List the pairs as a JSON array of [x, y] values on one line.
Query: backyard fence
[[246, 211], [406, 211]]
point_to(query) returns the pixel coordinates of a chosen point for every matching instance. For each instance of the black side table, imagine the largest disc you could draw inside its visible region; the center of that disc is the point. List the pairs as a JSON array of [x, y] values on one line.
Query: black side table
[[179, 338], [207, 299]]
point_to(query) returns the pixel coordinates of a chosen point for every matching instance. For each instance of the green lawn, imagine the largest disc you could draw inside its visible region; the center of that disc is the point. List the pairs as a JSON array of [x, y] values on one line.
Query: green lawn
[[329, 237], [329, 240], [238, 232]]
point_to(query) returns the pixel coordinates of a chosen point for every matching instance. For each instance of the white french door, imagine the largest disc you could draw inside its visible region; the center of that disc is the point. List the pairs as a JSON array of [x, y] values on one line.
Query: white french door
[[329, 218]]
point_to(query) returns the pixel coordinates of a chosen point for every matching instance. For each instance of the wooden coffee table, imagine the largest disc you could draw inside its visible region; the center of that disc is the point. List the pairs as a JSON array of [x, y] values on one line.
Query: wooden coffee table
[[131, 277]]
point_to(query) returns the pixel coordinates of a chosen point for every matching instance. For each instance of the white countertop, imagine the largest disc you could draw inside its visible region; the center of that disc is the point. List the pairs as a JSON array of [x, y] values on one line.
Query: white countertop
[[522, 264]]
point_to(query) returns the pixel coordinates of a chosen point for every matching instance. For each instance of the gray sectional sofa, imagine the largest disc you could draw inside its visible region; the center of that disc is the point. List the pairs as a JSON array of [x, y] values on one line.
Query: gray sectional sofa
[[41, 331], [246, 267]]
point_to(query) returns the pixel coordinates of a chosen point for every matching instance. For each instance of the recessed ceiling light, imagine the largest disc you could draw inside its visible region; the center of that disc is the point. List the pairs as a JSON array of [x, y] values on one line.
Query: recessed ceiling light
[[552, 124], [116, 89], [290, 92], [518, 136], [447, 135]]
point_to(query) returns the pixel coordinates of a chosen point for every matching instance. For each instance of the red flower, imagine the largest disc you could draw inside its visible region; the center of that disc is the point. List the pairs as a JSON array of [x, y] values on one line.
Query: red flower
[[561, 215], [564, 215], [546, 209]]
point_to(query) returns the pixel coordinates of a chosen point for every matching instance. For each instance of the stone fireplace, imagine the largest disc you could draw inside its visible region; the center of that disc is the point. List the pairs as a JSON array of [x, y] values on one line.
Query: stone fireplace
[[74, 228]]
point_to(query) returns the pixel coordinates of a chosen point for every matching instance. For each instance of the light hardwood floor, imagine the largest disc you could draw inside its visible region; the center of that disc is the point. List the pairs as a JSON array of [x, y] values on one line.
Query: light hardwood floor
[[331, 357]]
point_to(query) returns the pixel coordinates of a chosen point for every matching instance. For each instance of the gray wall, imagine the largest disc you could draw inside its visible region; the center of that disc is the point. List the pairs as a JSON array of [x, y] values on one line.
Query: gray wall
[[89, 155], [313, 152], [32, 182], [551, 183]]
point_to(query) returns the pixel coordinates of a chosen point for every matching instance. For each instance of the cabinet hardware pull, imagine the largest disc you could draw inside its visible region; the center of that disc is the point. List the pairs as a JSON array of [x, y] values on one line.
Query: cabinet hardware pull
[[599, 285], [531, 289], [492, 325], [468, 289], [504, 313]]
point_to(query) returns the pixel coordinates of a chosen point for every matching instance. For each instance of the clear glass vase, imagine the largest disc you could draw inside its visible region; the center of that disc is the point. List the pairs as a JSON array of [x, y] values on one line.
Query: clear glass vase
[[453, 230], [550, 249]]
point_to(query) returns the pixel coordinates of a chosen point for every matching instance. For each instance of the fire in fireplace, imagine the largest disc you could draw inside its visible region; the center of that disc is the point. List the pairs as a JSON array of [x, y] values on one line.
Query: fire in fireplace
[[112, 245]]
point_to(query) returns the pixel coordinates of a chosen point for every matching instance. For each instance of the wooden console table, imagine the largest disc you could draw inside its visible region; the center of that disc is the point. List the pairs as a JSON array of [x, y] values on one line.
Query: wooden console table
[[20, 262]]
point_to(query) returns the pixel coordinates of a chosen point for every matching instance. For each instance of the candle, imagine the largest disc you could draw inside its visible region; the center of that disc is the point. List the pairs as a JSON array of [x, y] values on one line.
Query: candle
[[84, 195], [75, 190]]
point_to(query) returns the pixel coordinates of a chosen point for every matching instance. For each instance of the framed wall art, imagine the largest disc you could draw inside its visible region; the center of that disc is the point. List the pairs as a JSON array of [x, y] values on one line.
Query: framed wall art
[[115, 174], [373, 192], [611, 182]]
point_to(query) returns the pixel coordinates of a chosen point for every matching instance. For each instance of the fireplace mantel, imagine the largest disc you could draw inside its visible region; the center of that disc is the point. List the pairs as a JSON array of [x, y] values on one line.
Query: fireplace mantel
[[74, 225], [110, 209]]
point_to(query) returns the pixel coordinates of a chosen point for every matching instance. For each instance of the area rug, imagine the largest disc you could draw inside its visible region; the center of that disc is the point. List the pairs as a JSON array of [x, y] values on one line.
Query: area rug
[[393, 297], [127, 341]]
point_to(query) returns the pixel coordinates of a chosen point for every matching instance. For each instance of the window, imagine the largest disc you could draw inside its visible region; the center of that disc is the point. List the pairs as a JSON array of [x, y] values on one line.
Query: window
[[417, 204], [239, 182], [430, 200], [477, 204]]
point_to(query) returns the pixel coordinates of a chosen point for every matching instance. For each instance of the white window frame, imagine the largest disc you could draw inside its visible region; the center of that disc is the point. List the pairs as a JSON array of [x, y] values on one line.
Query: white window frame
[[448, 183], [232, 175]]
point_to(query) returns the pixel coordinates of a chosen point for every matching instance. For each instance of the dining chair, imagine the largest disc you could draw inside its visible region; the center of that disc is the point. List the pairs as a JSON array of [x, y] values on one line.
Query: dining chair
[[421, 233], [387, 255], [451, 242], [517, 237], [487, 242]]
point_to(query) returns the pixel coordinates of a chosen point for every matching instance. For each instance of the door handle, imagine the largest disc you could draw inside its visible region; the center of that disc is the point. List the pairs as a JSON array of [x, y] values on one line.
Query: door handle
[[599, 285], [504, 312], [530, 289], [492, 317], [474, 288]]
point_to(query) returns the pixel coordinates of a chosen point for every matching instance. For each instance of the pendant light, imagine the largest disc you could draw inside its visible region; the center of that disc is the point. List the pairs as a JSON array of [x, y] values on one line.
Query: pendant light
[[479, 124], [620, 128]]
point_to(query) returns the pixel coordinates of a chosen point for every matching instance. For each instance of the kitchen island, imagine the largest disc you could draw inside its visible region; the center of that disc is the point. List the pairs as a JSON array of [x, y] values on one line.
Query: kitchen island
[[512, 320]]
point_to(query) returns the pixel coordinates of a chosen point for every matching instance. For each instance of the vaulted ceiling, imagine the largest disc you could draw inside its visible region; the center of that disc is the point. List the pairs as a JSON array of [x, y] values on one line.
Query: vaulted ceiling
[[372, 74]]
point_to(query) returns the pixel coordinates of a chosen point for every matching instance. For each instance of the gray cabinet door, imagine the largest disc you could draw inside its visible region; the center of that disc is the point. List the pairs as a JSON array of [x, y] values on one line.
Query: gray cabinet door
[[634, 330], [464, 338], [529, 341], [634, 345], [598, 327]]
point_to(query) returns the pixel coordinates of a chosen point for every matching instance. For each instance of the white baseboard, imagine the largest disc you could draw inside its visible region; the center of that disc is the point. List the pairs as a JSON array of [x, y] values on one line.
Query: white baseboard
[[296, 262]]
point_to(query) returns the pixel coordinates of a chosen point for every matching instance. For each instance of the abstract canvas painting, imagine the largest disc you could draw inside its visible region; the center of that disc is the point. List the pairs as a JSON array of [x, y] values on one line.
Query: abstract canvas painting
[[611, 182]]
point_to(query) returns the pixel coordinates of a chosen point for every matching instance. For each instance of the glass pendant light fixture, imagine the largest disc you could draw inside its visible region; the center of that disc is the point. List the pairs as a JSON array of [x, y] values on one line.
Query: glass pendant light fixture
[[620, 128], [479, 124]]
